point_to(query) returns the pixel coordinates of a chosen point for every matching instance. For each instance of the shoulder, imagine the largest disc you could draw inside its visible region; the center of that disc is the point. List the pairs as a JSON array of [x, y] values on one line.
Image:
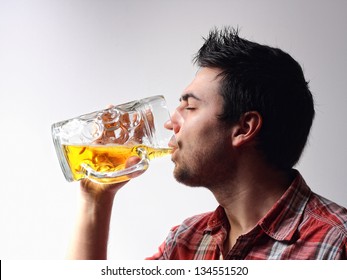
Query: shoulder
[[184, 239], [327, 213], [319, 213]]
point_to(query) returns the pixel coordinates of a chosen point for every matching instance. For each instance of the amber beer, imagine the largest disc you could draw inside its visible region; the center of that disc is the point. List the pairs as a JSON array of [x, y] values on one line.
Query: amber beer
[[107, 158]]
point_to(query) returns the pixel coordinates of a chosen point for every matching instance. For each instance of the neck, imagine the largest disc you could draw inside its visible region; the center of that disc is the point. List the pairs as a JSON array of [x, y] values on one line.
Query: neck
[[249, 195]]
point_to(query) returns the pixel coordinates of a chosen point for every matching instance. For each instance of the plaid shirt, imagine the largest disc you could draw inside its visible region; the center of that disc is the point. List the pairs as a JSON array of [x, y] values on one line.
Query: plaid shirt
[[301, 225]]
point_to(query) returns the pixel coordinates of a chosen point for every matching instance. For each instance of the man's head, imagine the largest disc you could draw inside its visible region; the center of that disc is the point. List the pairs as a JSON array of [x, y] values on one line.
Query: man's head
[[267, 80]]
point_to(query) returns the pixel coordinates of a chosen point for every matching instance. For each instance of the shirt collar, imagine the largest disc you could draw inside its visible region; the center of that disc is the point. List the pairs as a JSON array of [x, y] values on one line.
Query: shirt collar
[[282, 220], [217, 220]]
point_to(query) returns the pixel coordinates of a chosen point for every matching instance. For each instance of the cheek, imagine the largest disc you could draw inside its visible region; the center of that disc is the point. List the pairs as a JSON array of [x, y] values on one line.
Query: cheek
[[201, 128], [205, 137]]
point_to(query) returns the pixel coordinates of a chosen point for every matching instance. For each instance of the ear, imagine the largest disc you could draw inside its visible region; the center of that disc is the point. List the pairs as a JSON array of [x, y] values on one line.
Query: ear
[[247, 128]]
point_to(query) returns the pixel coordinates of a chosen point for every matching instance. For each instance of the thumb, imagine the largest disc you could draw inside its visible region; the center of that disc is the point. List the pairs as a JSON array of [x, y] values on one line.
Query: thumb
[[132, 161]]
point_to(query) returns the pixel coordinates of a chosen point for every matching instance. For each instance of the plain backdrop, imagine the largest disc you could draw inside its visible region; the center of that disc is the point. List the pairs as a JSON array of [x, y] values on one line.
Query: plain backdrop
[[63, 58]]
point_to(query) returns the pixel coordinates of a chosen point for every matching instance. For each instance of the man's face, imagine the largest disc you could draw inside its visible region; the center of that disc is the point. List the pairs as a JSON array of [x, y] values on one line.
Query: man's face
[[202, 152]]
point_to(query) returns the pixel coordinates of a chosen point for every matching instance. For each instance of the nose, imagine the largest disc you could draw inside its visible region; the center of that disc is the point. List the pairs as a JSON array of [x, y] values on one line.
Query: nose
[[175, 122]]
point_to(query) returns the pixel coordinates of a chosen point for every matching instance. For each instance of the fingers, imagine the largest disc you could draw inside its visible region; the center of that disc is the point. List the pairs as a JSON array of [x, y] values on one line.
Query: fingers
[[132, 161], [94, 188]]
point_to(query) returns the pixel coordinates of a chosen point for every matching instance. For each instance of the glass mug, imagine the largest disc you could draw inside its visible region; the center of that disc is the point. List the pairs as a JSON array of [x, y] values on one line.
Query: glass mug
[[97, 145]]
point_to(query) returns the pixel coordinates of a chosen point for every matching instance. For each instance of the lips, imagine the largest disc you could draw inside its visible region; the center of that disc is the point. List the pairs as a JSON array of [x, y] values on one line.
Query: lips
[[173, 144]]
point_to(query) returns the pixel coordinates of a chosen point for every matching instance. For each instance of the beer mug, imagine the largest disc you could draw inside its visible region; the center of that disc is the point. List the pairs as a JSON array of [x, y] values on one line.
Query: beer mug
[[97, 145]]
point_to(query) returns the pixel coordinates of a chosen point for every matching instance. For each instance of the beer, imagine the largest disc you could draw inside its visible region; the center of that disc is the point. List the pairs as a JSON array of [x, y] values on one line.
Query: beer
[[107, 158]]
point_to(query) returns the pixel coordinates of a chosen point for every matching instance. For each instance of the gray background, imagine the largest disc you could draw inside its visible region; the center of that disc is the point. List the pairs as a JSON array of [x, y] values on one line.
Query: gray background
[[59, 59]]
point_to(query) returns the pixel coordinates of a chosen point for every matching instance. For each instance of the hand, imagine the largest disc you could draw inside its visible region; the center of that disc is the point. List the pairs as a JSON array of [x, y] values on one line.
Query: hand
[[95, 190]]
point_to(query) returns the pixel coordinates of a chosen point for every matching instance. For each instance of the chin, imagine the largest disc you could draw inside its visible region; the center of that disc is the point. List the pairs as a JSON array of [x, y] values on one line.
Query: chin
[[186, 178]]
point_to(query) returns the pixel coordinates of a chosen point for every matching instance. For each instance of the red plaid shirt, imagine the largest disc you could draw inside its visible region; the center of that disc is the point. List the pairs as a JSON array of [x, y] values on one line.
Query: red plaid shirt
[[301, 225]]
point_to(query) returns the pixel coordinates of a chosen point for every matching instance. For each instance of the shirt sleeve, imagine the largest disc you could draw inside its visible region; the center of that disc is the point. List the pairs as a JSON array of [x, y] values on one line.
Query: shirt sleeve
[[164, 249]]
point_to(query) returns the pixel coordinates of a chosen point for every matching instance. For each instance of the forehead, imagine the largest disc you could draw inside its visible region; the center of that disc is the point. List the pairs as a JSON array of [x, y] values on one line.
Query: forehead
[[205, 84]]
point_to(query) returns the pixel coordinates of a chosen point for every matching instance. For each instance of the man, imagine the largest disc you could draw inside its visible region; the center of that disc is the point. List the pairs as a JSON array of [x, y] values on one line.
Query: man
[[240, 127]]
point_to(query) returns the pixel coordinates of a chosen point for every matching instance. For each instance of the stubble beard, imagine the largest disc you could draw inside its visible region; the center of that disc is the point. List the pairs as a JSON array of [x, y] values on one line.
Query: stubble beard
[[209, 171], [183, 175], [193, 173], [184, 170]]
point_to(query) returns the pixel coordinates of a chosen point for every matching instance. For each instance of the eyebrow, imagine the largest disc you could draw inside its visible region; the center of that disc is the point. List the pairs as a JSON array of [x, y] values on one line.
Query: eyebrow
[[185, 97]]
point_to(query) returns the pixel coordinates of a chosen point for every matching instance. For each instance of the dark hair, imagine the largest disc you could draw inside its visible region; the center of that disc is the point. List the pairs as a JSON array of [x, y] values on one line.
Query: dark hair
[[267, 80]]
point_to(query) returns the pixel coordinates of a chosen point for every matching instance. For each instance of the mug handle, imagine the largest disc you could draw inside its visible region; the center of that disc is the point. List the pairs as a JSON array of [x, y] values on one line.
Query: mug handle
[[119, 175]]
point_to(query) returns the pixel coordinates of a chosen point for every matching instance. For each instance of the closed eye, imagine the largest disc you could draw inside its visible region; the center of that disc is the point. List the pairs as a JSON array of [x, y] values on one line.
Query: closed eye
[[189, 108]]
